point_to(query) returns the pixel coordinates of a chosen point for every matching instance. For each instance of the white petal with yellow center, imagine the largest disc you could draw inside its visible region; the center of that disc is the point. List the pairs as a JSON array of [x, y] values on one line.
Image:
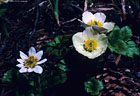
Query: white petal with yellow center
[[100, 17], [98, 46], [30, 63], [97, 21], [87, 16]]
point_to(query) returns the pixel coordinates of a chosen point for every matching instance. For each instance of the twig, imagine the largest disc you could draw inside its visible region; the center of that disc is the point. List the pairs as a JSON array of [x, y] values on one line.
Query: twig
[[123, 10], [118, 59], [71, 20], [85, 5], [36, 19], [77, 7], [40, 5], [102, 9]]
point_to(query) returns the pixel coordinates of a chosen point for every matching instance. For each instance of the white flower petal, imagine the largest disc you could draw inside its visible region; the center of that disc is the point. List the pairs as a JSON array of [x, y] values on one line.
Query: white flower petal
[[23, 70], [20, 65], [88, 33], [30, 70], [109, 26], [39, 55], [20, 61], [32, 51], [87, 16], [42, 61], [38, 69], [100, 17], [78, 41], [100, 38], [78, 37], [23, 56]]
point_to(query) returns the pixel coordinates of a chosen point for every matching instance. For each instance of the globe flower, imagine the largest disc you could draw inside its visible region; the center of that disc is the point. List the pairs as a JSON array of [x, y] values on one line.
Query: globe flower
[[4, 1], [89, 43], [31, 63], [97, 21]]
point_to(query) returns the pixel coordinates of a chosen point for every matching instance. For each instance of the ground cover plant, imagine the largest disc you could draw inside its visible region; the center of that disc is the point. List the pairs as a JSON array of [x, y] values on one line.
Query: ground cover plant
[[69, 48]]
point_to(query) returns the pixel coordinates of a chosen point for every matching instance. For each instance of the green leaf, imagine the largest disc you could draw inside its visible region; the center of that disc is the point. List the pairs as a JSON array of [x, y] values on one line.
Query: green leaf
[[115, 34], [2, 11], [118, 46], [126, 33], [8, 76], [131, 44], [93, 86], [62, 67], [32, 83], [62, 61], [131, 51], [52, 43], [58, 39], [120, 42]]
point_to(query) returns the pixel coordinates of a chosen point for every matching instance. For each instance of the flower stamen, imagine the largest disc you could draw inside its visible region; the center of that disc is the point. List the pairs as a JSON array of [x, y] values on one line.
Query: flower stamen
[[90, 45], [95, 22], [30, 62]]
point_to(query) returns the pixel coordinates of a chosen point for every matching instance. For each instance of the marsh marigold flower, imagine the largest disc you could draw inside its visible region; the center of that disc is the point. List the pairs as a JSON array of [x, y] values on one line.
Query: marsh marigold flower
[[90, 43], [97, 21], [31, 63]]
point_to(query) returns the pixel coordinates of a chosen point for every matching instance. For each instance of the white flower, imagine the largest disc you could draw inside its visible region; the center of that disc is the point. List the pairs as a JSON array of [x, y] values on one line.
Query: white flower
[[89, 43], [31, 63], [4, 1], [97, 21]]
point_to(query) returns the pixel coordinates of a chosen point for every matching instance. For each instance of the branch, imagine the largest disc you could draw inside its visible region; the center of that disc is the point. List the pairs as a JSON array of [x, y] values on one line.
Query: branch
[[36, 19]]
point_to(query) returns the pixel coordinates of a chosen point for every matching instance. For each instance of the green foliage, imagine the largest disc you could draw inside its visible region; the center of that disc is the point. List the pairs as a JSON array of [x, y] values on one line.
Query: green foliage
[[58, 46], [121, 43], [53, 77], [62, 65], [7, 76], [54, 7], [2, 11], [33, 84], [93, 86]]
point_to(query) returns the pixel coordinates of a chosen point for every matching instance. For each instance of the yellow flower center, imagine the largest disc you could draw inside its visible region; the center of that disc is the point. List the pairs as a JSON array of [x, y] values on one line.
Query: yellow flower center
[[90, 45], [95, 22], [30, 62]]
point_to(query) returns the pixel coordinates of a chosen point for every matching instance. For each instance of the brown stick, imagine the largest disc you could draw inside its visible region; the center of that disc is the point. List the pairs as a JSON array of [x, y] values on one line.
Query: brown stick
[[118, 59]]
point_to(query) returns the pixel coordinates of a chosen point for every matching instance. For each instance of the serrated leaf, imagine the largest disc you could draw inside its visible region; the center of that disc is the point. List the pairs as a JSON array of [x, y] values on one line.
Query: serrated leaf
[[93, 86], [118, 46], [115, 34], [131, 43], [131, 51], [7, 76], [121, 43], [125, 33]]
